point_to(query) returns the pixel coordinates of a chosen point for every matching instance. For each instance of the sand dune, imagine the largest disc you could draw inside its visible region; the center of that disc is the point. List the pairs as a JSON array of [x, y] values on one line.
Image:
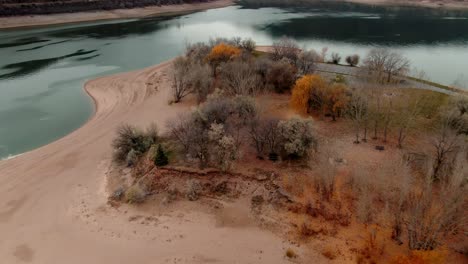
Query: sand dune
[[53, 201]]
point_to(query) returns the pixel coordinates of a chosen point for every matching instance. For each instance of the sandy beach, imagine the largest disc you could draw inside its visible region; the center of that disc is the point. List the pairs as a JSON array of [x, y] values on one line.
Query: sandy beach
[[54, 201], [54, 19]]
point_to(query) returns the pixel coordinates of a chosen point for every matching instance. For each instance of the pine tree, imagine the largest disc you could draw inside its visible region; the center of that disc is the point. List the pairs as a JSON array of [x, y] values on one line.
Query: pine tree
[[161, 157]]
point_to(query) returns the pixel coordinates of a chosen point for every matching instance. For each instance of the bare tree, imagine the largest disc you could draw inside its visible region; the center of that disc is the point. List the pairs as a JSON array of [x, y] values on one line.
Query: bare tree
[[385, 64], [432, 215], [286, 48], [240, 78], [336, 58], [352, 60], [265, 136], [357, 111], [446, 144], [201, 80], [181, 85], [306, 61]]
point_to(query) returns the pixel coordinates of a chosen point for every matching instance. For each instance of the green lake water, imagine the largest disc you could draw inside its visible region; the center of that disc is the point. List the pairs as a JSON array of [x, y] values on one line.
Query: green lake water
[[42, 70]]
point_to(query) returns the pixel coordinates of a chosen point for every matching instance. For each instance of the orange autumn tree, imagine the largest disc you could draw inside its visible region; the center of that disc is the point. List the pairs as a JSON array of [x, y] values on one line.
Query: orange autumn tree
[[222, 53], [336, 99], [308, 92]]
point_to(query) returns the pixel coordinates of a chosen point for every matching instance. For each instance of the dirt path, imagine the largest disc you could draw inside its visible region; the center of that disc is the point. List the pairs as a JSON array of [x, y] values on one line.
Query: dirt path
[[42, 20], [53, 202]]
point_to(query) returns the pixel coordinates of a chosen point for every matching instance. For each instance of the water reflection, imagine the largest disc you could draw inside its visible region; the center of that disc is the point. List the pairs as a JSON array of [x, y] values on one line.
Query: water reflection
[[381, 30], [22, 42], [43, 46], [32, 66]]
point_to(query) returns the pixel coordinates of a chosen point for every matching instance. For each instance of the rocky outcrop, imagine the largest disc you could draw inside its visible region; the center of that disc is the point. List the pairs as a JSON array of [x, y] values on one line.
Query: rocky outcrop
[[36, 7]]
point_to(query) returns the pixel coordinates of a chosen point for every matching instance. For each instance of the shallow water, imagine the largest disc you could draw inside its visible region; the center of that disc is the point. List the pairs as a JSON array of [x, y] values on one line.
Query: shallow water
[[42, 70]]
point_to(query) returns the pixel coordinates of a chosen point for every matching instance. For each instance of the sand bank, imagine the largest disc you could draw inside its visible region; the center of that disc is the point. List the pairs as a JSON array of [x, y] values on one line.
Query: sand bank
[[53, 203], [43, 20]]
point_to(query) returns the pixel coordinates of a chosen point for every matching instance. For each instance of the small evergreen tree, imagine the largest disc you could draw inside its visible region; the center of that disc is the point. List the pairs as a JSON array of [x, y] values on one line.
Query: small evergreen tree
[[161, 157]]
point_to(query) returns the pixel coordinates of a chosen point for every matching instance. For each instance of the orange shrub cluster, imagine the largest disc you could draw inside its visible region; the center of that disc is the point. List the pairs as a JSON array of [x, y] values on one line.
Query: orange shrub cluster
[[222, 53], [313, 92]]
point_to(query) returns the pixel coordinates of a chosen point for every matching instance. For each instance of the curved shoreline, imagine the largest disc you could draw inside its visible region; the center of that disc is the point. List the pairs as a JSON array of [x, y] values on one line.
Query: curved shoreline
[[17, 22], [54, 200]]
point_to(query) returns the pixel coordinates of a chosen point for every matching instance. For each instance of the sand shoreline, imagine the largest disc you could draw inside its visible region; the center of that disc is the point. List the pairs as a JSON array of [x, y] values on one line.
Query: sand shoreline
[[53, 200], [94, 16]]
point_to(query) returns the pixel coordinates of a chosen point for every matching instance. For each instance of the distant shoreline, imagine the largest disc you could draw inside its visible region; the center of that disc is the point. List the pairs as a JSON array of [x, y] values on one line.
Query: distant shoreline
[[16, 22], [439, 4]]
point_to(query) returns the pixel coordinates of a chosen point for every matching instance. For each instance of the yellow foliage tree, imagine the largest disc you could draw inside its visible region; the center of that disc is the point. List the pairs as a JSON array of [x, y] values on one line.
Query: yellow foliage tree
[[309, 91], [222, 53], [336, 99]]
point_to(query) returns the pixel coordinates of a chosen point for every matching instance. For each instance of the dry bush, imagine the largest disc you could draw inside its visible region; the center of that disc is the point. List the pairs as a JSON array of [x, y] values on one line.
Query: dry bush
[[436, 211], [197, 52], [373, 247], [224, 149], [281, 76], [201, 81], [194, 189], [336, 58], [286, 48], [298, 139], [352, 60], [135, 194], [214, 131], [306, 61], [131, 139], [240, 78], [265, 136]]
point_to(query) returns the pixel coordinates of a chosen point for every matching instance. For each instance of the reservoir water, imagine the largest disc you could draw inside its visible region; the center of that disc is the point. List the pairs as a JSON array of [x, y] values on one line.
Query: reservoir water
[[43, 70]]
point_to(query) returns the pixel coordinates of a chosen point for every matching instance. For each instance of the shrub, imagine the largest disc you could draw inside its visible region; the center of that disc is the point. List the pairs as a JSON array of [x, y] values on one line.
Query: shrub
[[130, 138], [248, 45], [265, 137], [306, 61], [222, 53], [281, 76], [135, 194], [240, 78], [224, 150], [352, 60], [161, 157], [308, 92], [297, 137], [336, 99], [286, 48], [336, 58], [132, 158], [201, 81], [339, 78], [194, 189], [197, 52]]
